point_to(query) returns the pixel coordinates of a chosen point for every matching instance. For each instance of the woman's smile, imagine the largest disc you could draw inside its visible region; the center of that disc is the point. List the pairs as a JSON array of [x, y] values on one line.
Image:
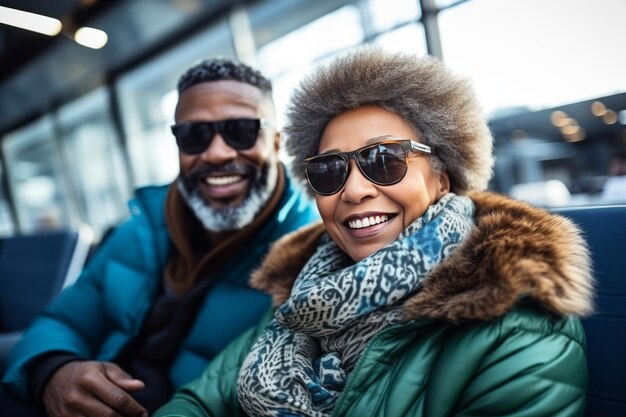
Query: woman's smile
[[366, 225]]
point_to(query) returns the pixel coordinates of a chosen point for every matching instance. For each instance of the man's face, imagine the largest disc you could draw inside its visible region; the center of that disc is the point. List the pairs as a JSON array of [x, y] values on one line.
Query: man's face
[[222, 181]]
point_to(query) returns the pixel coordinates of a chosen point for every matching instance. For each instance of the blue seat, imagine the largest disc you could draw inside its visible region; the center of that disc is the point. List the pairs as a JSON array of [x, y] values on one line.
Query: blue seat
[[33, 270], [605, 230]]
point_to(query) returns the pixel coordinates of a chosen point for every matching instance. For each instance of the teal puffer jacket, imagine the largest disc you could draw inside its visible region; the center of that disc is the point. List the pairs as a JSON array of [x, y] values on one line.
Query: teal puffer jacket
[[493, 331], [101, 313]]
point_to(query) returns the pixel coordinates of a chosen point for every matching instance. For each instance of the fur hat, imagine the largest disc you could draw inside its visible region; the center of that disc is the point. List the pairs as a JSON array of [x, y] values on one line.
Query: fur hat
[[441, 108]]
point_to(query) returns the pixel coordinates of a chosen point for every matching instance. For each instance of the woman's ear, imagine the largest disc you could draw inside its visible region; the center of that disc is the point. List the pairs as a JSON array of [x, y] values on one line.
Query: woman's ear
[[444, 185]]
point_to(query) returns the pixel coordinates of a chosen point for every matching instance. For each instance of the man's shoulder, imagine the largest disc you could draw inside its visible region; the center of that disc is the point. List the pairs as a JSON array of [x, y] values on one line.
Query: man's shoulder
[[150, 199], [295, 204], [152, 192]]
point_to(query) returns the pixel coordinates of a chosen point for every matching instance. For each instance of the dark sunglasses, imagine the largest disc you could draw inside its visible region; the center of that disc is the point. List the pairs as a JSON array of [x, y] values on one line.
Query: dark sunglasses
[[383, 163], [194, 137]]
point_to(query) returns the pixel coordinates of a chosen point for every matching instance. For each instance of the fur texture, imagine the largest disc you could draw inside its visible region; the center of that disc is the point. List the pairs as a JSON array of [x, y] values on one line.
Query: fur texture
[[515, 251], [285, 260], [441, 108]]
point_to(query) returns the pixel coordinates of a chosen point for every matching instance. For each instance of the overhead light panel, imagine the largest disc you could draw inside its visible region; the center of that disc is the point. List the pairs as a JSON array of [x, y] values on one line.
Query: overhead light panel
[[30, 21], [91, 38]]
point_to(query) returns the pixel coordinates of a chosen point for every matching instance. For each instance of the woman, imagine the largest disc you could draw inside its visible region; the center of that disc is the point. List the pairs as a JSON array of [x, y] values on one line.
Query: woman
[[418, 295]]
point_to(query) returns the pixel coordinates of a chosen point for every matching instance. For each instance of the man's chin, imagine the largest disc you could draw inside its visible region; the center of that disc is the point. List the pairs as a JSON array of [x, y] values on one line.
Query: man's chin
[[221, 211], [223, 203]]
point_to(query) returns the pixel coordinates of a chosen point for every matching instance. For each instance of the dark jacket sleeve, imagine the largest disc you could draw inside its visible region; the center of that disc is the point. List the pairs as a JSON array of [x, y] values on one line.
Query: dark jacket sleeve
[[214, 394], [41, 371]]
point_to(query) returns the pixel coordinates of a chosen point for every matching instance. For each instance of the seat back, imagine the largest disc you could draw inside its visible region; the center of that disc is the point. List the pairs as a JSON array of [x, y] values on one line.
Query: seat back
[[605, 231], [33, 270]]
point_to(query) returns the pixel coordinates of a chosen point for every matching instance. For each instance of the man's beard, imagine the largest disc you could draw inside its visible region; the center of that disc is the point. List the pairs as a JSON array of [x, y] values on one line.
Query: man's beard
[[263, 182]]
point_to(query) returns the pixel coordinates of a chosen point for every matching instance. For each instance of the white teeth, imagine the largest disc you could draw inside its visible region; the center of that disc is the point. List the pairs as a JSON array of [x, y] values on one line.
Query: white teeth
[[367, 221], [222, 180]]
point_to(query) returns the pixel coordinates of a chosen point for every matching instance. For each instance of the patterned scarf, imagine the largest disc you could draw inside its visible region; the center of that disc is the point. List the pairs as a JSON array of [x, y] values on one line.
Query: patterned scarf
[[299, 365]]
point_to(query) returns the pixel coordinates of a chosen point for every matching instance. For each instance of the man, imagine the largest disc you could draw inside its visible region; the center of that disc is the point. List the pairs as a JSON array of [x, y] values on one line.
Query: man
[[168, 290]]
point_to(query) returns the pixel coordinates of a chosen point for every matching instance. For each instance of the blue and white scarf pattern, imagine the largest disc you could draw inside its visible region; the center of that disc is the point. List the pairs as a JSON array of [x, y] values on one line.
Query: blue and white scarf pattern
[[299, 365]]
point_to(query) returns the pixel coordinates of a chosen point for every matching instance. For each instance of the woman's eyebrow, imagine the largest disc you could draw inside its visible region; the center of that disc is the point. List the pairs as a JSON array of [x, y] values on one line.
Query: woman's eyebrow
[[330, 151], [367, 142], [377, 139]]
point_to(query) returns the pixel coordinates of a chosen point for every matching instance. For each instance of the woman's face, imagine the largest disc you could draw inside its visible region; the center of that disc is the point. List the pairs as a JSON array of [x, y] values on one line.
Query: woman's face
[[396, 205]]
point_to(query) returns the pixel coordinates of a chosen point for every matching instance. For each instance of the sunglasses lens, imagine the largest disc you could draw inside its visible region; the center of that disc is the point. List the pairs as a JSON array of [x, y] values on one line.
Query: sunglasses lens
[[242, 133], [326, 173], [193, 138], [384, 163]]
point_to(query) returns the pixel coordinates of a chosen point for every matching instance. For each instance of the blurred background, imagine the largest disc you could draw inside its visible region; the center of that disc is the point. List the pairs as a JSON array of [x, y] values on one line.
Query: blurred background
[[81, 127]]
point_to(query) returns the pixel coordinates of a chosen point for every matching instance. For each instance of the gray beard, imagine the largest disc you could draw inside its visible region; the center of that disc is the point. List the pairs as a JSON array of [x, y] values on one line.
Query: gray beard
[[233, 218]]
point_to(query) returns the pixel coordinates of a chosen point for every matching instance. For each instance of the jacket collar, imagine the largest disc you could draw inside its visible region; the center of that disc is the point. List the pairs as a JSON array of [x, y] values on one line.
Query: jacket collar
[[515, 251]]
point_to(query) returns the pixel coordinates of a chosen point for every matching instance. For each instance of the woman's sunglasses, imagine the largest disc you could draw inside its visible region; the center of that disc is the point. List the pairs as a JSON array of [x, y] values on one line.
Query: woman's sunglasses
[[383, 163], [194, 137]]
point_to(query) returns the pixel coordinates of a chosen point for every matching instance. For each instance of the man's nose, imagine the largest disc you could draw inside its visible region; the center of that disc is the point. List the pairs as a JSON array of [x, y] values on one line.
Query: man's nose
[[218, 152]]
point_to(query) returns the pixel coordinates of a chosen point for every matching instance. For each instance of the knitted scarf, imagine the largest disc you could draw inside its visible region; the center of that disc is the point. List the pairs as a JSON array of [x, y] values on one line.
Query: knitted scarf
[[300, 363]]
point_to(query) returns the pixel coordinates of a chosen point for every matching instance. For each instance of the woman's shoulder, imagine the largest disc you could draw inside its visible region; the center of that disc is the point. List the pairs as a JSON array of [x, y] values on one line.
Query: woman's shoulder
[[526, 320], [530, 317]]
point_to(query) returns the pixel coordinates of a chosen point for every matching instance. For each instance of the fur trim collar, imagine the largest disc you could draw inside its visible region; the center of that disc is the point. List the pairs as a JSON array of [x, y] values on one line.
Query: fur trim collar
[[516, 250]]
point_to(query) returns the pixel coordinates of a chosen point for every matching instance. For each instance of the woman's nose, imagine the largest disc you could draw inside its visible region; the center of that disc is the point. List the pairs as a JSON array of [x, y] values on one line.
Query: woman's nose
[[357, 187]]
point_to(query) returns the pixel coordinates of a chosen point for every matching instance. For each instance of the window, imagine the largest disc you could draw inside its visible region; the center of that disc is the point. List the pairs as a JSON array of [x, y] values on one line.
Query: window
[[95, 164], [35, 173], [408, 38], [551, 76], [306, 46], [536, 53], [384, 16]]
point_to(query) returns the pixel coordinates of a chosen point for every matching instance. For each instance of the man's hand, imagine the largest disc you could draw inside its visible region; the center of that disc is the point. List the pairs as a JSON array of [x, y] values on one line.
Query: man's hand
[[92, 389]]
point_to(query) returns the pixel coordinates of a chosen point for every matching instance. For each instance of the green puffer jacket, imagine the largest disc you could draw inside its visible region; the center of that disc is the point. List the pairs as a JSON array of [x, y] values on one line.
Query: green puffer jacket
[[493, 331]]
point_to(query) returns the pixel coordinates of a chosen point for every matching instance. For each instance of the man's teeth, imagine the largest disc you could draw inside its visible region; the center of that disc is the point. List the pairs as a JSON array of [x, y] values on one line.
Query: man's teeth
[[367, 221], [222, 180]]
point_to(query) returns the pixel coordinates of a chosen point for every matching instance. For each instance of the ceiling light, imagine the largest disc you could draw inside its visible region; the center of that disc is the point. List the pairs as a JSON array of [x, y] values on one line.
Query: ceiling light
[[576, 137], [567, 121], [558, 118], [91, 38], [30, 21], [570, 130], [610, 117], [598, 108]]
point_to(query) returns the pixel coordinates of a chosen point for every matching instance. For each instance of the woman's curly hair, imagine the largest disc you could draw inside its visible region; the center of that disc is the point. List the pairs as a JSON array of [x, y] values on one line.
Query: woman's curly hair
[[441, 107]]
